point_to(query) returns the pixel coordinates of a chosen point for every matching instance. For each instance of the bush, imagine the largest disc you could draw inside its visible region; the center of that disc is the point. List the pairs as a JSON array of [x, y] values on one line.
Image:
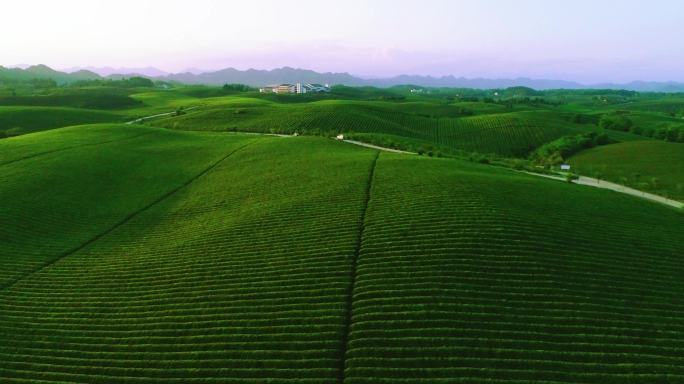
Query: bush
[[616, 122], [236, 88], [559, 150]]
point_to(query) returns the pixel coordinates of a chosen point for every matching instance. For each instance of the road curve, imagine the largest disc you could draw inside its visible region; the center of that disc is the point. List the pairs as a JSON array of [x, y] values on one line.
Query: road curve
[[590, 181]]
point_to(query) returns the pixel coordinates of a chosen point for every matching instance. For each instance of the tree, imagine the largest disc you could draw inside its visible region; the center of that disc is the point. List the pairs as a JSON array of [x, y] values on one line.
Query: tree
[[236, 88], [616, 122], [137, 81], [671, 135], [680, 136]]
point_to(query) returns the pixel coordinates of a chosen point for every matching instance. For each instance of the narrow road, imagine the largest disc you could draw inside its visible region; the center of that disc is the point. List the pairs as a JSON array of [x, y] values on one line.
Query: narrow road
[[583, 180], [589, 181], [377, 147], [153, 116]]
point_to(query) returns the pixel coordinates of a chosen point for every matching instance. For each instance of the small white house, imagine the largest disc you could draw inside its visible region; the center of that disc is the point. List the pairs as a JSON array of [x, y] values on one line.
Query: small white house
[[340, 137], [565, 167]]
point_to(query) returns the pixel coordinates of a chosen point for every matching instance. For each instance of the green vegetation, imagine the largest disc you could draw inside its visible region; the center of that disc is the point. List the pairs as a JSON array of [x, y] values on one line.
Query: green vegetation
[[134, 254], [651, 166], [20, 120], [88, 98], [450, 128], [672, 131], [468, 274], [560, 150], [220, 257]]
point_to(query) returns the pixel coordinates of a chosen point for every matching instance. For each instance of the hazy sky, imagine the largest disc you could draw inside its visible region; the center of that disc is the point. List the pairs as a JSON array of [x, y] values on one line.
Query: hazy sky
[[583, 40]]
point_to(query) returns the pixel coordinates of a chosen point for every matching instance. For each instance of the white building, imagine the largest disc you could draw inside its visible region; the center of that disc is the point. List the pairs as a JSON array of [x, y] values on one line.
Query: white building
[[313, 88], [295, 88]]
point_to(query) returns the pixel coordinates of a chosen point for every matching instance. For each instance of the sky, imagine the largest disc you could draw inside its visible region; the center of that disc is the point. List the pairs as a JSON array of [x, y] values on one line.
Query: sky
[[589, 41]]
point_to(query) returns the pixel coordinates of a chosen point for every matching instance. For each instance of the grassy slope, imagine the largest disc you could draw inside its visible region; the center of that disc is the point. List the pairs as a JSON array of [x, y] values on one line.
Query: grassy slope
[[107, 98], [86, 106], [26, 119], [653, 166], [472, 275], [240, 277], [22, 147], [59, 200], [466, 273]]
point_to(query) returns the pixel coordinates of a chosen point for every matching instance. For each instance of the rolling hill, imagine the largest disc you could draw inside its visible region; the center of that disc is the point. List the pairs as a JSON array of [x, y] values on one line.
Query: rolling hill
[[163, 256], [652, 166], [406, 125], [25, 119]]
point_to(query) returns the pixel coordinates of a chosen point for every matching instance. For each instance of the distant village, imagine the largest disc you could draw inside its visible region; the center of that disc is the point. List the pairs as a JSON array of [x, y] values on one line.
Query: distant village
[[296, 88]]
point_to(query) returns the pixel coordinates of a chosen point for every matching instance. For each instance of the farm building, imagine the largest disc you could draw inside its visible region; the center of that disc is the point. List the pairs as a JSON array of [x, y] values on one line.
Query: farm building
[[295, 88], [279, 88], [313, 88], [268, 88]]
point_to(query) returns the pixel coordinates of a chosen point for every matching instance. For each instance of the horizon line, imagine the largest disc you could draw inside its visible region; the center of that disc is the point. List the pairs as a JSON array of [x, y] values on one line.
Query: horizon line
[[199, 71]]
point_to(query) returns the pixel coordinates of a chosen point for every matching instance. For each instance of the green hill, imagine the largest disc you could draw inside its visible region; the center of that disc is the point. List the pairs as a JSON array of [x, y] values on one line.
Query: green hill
[[410, 125], [20, 120], [12, 75], [106, 98], [195, 257], [652, 166]]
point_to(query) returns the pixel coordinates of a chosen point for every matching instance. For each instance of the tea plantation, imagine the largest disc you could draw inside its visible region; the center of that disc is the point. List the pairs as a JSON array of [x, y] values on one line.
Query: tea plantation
[[133, 254], [653, 166]]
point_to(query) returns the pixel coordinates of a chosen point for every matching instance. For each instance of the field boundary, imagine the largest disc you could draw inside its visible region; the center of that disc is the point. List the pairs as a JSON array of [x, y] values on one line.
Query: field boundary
[[121, 222], [72, 147], [352, 283]]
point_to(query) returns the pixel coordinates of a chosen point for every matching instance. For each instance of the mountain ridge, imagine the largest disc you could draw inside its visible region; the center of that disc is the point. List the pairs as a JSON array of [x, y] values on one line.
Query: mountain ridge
[[260, 77]]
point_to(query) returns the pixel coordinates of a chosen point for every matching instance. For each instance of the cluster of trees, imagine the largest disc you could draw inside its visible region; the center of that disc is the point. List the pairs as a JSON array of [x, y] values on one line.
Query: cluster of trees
[[559, 150], [671, 134], [235, 87], [131, 82], [620, 122], [580, 118], [616, 122]]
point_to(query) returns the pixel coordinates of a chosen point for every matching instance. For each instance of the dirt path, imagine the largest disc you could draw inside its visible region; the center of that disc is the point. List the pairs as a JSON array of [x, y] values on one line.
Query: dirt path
[[589, 181], [158, 115], [378, 147]]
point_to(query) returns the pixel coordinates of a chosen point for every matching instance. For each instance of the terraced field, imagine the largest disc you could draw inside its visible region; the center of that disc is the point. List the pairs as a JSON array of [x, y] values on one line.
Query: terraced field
[[237, 274], [69, 196], [139, 255], [652, 166], [21, 120], [19, 148], [513, 280], [513, 134]]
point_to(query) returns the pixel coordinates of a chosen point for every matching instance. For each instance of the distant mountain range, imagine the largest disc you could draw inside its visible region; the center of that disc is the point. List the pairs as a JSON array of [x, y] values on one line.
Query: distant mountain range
[[108, 71], [255, 77], [44, 72]]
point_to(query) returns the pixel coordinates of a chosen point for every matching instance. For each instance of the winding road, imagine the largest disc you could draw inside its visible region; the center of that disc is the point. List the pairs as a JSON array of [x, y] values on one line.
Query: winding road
[[590, 181]]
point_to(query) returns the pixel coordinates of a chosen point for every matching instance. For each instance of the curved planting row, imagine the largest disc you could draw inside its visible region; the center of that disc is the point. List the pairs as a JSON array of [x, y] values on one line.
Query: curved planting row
[[55, 201], [213, 258], [471, 275], [241, 276], [508, 134]]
